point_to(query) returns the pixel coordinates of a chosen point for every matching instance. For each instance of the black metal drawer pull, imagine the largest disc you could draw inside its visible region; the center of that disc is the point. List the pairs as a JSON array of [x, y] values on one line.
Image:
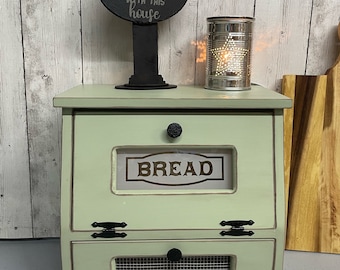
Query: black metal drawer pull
[[109, 229], [237, 223], [109, 225], [234, 232], [237, 228], [108, 234]]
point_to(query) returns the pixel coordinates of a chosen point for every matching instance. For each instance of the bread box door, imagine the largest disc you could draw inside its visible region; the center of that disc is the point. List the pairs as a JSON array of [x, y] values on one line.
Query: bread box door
[[126, 168]]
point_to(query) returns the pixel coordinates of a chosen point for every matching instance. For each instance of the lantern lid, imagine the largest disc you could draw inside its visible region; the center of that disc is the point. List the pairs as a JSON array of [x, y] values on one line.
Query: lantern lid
[[230, 19]]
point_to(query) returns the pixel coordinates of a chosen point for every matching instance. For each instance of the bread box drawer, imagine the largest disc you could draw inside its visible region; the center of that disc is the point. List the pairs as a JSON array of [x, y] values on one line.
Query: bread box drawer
[[207, 255], [242, 143]]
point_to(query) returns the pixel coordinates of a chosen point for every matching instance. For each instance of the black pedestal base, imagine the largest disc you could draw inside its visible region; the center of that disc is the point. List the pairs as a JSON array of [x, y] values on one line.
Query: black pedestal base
[[146, 81], [145, 86]]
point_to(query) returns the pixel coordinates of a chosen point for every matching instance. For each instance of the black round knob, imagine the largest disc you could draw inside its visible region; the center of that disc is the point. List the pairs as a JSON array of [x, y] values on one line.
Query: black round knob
[[174, 130], [174, 255]]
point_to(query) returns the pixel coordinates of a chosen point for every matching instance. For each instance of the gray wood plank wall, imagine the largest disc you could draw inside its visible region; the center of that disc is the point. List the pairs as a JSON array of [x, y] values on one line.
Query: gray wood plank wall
[[49, 46]]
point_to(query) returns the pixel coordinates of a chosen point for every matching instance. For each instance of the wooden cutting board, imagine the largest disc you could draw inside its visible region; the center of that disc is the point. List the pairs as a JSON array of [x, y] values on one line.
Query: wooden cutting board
[[312, 161], [303, 147], [330, 186]]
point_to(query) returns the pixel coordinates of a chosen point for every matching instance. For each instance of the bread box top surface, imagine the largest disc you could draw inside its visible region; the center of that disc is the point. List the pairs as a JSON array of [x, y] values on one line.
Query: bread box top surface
[[182, 97]]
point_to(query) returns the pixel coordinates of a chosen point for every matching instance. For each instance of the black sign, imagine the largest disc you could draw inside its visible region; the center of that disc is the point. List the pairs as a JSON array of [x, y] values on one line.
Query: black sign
[[144, 11]]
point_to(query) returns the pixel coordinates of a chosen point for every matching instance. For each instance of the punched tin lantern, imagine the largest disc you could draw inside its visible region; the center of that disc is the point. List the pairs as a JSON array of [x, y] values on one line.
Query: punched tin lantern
[[229, 53]]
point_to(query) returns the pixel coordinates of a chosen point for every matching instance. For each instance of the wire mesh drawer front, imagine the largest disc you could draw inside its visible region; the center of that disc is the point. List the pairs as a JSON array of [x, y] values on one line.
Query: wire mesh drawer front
[[162, 263]]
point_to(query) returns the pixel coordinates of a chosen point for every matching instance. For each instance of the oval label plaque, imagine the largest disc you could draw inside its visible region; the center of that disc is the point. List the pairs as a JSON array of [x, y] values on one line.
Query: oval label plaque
[[144, 11], [174, 169], [162, 168]]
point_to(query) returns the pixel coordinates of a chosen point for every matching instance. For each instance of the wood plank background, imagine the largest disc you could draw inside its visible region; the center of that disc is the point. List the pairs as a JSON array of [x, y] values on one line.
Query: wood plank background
[[49, 46]]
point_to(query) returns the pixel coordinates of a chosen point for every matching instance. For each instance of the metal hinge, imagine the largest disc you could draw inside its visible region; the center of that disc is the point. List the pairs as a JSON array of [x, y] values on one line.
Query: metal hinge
[[237, 228], [109, 230]]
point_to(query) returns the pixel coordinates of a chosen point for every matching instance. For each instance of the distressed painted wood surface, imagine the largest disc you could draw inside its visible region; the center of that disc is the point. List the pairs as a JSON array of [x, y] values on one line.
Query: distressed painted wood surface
[[15, 199], [280, 40], [52, 46], [67, 42], [176, 53], [323, 46], [106, 45]]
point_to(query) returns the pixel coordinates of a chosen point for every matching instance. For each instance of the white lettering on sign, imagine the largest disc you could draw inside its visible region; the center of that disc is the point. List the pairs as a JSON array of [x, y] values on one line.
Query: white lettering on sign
[[174, 168], [157, 2], [138, 12]]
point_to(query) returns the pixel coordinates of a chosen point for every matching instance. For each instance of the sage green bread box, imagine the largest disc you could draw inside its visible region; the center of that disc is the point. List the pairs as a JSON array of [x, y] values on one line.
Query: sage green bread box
[[186, 178]]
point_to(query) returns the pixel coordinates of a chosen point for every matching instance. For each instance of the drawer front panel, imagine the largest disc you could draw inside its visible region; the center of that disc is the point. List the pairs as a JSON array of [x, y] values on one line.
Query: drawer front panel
[[250, 196], [153, 255]]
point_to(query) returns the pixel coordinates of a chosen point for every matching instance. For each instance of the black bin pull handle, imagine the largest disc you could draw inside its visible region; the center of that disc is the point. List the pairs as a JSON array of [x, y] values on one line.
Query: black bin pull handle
[[109, 234], [109, 225], [237, 223], [237, 233]]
